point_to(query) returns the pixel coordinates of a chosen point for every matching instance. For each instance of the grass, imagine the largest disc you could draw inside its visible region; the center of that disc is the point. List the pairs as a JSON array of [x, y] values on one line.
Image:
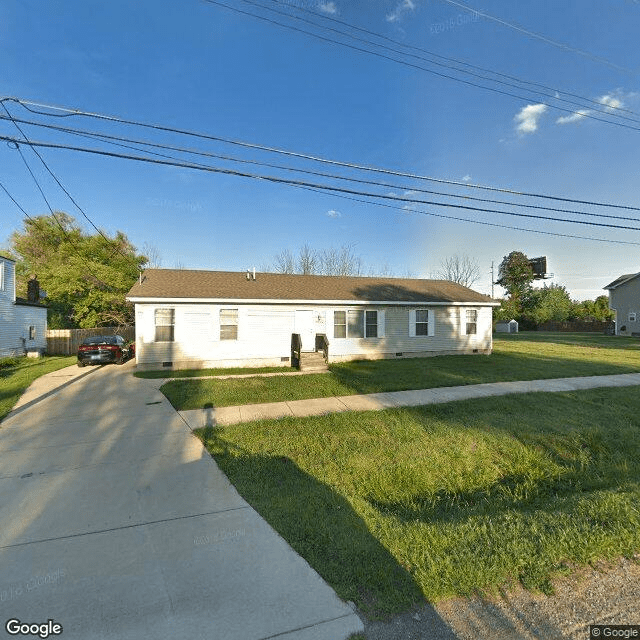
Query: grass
[[398, 506], [16, 374], [196, 373], [525, 356]]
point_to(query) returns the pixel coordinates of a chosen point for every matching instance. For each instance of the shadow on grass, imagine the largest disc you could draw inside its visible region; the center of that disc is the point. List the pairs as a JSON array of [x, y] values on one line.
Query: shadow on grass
[[323, 528], [374, 376]]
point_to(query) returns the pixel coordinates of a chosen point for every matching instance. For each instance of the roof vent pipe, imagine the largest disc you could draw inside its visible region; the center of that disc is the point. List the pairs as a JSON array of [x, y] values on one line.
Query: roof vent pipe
[[248, 275], [254, 273]]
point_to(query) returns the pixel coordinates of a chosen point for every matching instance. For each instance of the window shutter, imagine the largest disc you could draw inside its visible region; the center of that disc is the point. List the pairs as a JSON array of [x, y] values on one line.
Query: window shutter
[[412, 323], [381, 324], [463, 321], [431, 328]]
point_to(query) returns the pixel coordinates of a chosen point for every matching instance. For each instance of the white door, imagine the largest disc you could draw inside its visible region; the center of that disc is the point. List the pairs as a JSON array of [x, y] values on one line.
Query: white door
[[304, 326]]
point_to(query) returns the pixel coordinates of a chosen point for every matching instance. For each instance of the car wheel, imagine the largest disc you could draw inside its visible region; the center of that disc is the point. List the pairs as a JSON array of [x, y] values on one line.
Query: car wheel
[[80, 364]]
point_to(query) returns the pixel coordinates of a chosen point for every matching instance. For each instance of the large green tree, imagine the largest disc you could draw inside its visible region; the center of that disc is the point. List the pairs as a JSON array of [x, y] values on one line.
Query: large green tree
[[85, 276]]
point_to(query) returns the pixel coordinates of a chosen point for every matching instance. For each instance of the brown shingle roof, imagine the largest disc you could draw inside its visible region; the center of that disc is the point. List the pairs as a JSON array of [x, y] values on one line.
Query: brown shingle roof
[[231, 285], [621, 280]]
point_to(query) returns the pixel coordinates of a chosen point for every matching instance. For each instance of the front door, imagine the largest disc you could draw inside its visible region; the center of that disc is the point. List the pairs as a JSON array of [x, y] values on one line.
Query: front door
[[304, 326]]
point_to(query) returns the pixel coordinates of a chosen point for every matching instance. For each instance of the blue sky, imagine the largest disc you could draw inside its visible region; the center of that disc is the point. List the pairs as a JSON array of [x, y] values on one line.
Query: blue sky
[[197, 66]]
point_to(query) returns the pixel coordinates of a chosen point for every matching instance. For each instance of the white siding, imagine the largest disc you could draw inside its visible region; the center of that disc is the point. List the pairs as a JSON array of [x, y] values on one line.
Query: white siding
[[264, 334], [15, 320]]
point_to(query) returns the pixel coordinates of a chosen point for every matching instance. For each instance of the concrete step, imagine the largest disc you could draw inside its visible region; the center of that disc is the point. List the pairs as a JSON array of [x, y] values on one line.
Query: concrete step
[[313, 363]]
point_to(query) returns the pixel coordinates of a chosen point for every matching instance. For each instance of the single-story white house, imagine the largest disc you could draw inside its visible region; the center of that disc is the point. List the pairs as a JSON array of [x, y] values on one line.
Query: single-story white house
[[23, 323], [187, 318], [624, 299]]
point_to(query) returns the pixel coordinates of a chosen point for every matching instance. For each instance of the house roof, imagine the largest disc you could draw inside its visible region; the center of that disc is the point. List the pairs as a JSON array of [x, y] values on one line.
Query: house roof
[[232, 285], [621, 280], [4, 257]]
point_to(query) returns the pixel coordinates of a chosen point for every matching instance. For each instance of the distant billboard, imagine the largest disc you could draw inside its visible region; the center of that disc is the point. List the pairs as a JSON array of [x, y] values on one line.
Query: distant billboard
[[539, 267]]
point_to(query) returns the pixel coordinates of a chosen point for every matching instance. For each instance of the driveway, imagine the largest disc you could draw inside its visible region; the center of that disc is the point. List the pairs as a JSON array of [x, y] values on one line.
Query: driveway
[[116, 523]]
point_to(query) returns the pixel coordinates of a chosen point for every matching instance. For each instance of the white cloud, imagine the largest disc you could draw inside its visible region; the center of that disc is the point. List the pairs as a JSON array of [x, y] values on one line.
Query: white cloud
[[332, 213], [611, 101], [328, 7], [527, 118], [408, 194], [574, 117], [400, 10], [466, 178]]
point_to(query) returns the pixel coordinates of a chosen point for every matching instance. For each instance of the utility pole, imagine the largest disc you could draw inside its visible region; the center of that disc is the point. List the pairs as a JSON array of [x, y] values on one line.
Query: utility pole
[[492, 279]]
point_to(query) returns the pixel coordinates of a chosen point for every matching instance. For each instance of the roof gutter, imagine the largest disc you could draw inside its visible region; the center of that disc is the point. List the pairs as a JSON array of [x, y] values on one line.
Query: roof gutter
[[420, 303]]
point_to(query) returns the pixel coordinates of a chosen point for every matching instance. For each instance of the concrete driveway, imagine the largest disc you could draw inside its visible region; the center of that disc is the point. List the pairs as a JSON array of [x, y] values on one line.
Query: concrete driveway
[[116, 523]]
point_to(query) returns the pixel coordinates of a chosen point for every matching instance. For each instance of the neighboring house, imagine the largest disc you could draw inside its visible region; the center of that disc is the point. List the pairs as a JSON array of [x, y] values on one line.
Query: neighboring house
[[190, 318], [23, 323], [624, 299]]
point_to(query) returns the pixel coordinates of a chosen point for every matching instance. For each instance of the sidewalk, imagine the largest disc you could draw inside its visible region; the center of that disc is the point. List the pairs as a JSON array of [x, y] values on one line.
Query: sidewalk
[[375, 401]]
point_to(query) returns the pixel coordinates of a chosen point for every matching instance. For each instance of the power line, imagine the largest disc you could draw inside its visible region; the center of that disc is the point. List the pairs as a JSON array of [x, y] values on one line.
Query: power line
[[279, 180], [448, 59], [539, 36], [481, 222], [606, 111], [78, 207], [116, 140], [66, 112], [412, 65]]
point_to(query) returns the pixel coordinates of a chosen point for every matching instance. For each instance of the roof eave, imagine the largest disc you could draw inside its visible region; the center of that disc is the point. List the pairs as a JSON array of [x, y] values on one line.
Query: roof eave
[[175, 300]]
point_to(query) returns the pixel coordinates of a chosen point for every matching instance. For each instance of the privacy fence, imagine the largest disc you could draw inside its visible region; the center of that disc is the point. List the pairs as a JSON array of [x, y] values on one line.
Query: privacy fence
[[65, 342], [578, 325]]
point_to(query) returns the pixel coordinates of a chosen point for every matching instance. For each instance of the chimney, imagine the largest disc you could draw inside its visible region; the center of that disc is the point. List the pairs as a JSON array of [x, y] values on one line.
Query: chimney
[[33, 290]]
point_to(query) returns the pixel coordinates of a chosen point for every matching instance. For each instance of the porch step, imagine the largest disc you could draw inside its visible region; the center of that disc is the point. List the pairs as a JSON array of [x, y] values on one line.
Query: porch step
[[313, 363]]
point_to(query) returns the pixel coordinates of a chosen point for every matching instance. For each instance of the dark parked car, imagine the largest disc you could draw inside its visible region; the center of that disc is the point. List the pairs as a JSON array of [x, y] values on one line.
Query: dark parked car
[[101, 349]]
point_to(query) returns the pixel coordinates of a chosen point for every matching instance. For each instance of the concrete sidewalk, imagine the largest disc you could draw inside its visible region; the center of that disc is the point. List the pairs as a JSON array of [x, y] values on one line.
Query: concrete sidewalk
[[375, 401], [117, 524]]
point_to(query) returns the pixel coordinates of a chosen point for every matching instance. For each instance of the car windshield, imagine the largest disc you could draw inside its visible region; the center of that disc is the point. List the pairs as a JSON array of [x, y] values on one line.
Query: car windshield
[[101, 340]]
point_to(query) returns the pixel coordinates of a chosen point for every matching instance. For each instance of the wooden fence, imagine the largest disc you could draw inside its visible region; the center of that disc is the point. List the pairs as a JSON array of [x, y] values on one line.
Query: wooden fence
[[65, 342], [577, 325]]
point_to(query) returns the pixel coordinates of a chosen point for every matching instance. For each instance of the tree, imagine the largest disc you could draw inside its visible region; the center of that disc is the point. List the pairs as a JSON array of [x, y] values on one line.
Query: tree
[[461, 269], [85, 277], [597, 309], [551, 303], [515, 275], [328, 262]]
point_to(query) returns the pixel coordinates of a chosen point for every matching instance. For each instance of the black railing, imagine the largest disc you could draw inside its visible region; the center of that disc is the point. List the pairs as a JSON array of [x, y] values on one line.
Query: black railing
[[296, 350], [322, 344]]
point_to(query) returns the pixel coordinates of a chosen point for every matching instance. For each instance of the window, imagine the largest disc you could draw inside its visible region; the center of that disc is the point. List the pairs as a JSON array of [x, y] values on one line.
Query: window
[[164, 321], [358, 323], [422, 322], [339, 324], [632, 316], [472, 322], [228, 324], [371, 328], [32, 333], [355, 327]]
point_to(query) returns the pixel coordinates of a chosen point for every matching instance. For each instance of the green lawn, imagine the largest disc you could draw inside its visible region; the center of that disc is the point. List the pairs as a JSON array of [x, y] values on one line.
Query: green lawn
[[394, 507], [16, 374], [525, 356], [156, 374]]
